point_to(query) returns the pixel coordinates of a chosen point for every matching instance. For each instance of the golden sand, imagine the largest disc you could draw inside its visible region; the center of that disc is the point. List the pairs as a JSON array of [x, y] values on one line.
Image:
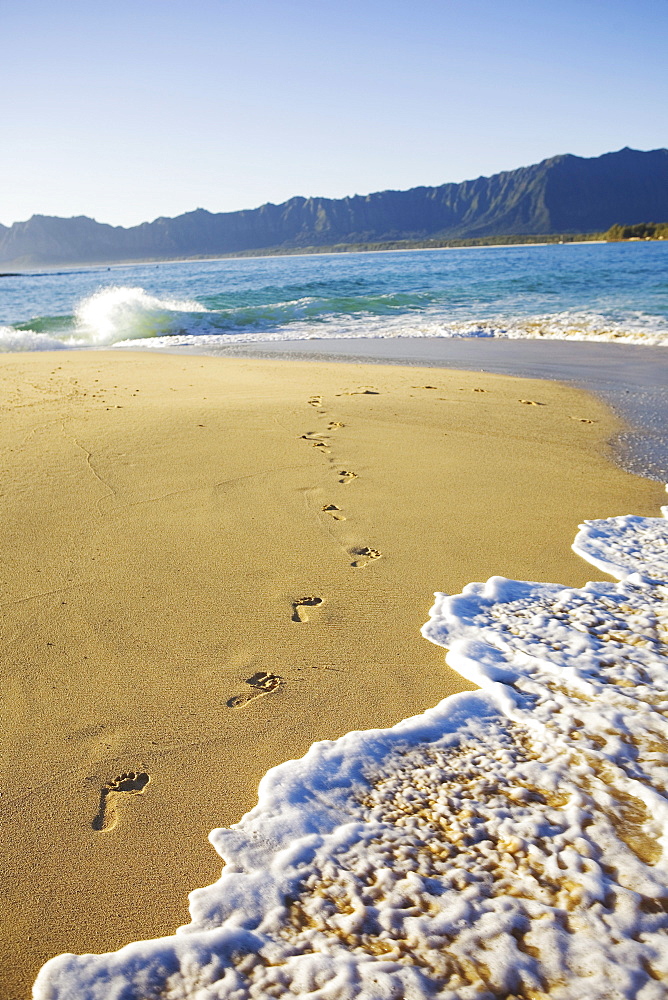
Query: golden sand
[[208, 564]]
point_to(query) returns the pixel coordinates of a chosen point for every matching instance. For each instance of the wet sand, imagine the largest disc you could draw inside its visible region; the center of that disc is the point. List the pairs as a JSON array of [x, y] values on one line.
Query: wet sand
[[209, 563], [631, 378]]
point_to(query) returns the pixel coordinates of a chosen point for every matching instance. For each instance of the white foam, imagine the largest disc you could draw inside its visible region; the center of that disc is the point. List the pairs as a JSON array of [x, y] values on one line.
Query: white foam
[[129, 316], [508, 842], [108, 316], [12, 340], [113, 314], [622, 546], [428, 323], [388, 328]]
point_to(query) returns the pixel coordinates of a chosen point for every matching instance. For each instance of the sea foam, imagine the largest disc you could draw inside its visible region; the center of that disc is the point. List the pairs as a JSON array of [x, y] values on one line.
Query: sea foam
[[13, 340], [116, 313], [510, 842], [290, 321], [105, 318]]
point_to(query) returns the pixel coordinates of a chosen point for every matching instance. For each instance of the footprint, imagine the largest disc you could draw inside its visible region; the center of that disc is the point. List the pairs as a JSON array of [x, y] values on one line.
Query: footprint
[[261, 683], [317, 440], [364, 390], [427, 387], [298, 614], [315, 401], [531, 402], [331, 508], [367, 554], [584, 420], [131, 782], [477, 390], [347, 477], [334, 425]]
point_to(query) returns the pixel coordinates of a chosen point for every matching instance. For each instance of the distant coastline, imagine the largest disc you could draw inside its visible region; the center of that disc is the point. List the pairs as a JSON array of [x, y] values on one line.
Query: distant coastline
[[397, 246], [386, 246]]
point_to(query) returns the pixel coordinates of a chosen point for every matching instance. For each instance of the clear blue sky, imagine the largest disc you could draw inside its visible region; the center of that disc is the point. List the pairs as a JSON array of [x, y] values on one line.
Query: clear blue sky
[[129, 109]]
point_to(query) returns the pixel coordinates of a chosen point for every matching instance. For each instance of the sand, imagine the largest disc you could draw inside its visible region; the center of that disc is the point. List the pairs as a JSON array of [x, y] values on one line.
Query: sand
[[209, 563]]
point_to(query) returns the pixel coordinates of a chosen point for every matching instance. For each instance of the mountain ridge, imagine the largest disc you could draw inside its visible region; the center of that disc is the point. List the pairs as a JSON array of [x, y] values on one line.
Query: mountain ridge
[[561, 194]]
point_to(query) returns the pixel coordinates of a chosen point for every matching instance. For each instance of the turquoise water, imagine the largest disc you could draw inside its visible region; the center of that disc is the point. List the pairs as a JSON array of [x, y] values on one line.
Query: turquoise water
[[569, 291]]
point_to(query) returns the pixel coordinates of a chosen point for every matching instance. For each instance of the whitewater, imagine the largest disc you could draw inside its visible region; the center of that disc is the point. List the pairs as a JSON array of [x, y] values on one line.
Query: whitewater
[[574, 292]]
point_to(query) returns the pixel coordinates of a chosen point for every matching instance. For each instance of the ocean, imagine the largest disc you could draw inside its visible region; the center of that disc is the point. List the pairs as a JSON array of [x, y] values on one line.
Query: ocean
[[592, 292], [511, 842]]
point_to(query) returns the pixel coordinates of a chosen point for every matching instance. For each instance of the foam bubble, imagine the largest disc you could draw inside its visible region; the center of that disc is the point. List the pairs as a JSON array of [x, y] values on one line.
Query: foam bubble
[[511, 841]]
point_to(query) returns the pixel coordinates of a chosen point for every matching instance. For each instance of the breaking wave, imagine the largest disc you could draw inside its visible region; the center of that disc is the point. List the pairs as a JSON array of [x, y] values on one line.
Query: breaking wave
[[590, 292], [109, 316], [15, 339], [119, 313], [132, 317]]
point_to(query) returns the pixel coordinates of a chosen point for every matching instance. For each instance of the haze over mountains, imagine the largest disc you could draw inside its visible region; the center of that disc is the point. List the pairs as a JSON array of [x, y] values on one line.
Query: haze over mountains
[[563, 194]]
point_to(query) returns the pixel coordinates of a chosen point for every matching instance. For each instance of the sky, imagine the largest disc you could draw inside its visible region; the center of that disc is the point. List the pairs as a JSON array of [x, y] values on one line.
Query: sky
[[128, 110]]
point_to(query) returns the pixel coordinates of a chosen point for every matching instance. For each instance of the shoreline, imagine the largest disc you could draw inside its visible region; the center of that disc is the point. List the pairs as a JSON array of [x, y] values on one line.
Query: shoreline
[[168, 543], [325, 253], [632, 379]]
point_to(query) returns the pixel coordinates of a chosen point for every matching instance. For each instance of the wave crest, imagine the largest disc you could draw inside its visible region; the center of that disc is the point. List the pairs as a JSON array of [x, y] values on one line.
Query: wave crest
[[121, 313]]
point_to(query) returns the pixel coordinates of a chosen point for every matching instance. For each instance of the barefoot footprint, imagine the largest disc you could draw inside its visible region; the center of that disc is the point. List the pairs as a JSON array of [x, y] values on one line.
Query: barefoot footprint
[[347, 477], [261, 683], [298, 613], [365, 555], [315, 401], [364, 390], [130, 782], [317, 440], [531, 402], [331, 508]]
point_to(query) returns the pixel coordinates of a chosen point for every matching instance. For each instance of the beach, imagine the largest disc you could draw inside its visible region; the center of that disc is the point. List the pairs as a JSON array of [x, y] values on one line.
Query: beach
[[212, 563]]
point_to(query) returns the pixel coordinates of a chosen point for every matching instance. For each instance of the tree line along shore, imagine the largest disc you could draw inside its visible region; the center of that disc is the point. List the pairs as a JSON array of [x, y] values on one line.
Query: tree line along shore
[[617, 233]]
